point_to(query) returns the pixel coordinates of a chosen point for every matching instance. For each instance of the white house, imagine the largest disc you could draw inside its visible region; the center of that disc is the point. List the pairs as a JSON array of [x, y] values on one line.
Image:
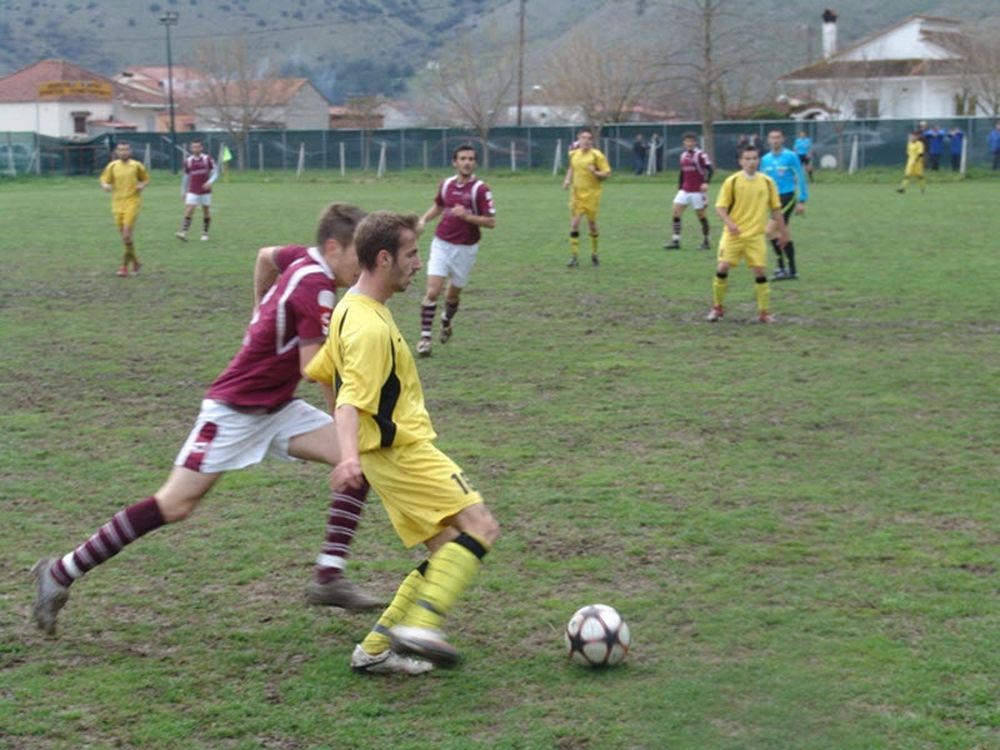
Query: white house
[[63, 100], [908, 71]]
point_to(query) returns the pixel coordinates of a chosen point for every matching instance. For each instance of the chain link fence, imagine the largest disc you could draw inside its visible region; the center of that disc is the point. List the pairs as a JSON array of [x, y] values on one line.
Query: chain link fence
[[836, 144]]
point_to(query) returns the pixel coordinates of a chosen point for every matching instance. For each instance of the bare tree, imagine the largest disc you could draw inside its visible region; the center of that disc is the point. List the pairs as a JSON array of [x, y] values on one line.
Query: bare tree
[[474, 88], [978, 52], [606, 81], [240, 91], [365, 109]]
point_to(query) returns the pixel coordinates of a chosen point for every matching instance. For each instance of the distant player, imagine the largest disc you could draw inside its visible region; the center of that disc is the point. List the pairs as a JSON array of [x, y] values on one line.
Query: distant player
[[914, 162], [125, 179], [467, 206], [249, 412], [200, 173], [784, 167], [692, 189], [744, 202], [803, 148], [588, 168]]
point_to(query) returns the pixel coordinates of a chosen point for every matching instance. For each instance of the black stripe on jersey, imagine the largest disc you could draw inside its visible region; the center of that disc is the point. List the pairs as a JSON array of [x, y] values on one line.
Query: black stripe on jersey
[[337, 380], [387, 400]]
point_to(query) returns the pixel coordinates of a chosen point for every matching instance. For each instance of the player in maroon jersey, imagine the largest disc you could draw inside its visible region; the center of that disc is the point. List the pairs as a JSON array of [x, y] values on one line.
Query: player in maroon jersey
[[467, 206], [270, 264], [249, 412], [200, 173], [695, 173]]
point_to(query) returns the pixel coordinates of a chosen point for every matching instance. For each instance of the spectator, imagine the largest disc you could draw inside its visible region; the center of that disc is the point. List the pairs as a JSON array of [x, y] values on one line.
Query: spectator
[[956, 139]]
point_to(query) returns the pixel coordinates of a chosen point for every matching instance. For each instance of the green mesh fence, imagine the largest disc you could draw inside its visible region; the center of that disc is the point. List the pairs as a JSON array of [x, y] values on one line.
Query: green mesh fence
[[837, 145]]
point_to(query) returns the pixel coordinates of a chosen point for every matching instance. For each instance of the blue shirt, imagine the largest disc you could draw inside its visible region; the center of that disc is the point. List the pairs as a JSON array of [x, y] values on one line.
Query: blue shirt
[[786, 171], [935, 141], [955, 139], [994, 140], [803, 146]]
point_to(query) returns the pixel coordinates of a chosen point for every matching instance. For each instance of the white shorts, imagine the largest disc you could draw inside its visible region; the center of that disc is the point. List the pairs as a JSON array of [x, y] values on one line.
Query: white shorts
[[196, 199], [224, 439], [697, 201], [452, 261]]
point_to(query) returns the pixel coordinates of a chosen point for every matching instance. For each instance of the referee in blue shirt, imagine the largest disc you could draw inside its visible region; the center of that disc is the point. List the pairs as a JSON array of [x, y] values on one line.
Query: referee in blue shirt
[[784, 167]]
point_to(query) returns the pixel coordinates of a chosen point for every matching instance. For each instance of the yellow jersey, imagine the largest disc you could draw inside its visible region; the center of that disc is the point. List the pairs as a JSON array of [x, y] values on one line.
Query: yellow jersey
[[749, 201], [123, 176], [585, 183], [370, 367], [914, 153]]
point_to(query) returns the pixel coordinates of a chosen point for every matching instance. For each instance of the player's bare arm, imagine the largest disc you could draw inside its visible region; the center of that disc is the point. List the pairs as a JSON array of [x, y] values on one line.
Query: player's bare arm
[[569, 178], [599, 174], [347, 472], [727, 220], [779, 221], [265, 273], [465, 214], [429, 215]]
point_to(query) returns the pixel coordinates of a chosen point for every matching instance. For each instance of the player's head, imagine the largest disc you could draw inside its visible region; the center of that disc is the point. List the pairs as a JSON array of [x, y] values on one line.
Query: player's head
[[915, 135], [123, 150], [690, 140], [749, 159], [776, 140], [463, 159], [197, 147], [585, 137], [335, 238], [803, 134], [387, 245]]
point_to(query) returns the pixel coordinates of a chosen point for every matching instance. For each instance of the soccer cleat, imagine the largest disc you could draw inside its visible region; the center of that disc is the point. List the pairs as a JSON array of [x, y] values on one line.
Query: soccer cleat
[[446, 331], [594, 260], [714, 314], [425, 642], [182, 236], [900, 190], [704, 245], [573, 262], [136, 265], [204, 238], [424, 346], [780, 275], [340, 592], [672, 245], [765, 317], [50, 596], [123, 271], [388, 662], [792, 276]]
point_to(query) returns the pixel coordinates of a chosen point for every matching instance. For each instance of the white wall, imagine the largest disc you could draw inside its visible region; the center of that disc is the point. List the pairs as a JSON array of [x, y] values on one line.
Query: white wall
[[49, 118], [903, 43]]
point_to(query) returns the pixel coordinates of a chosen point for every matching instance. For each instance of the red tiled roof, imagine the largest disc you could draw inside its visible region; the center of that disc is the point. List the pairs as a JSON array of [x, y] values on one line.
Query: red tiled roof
[[22, 86]]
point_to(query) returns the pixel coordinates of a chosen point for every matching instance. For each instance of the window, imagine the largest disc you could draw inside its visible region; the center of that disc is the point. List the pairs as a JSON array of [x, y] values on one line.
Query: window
[[79, 121], [866, 109]]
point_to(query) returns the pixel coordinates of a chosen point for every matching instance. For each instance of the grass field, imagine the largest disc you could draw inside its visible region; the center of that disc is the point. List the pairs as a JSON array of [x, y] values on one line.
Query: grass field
[[799, 521]]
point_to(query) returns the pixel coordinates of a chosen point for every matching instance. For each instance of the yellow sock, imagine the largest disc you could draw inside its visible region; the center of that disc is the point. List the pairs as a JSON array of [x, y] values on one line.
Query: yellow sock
[[574, 243], [593, 244], [719, 287], [449, 572], [129, 253], [377, 640], [762, 290]]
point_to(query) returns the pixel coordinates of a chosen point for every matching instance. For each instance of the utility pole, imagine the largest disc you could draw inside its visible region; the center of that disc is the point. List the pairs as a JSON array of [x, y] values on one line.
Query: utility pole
[[520, 63], [168, 19]]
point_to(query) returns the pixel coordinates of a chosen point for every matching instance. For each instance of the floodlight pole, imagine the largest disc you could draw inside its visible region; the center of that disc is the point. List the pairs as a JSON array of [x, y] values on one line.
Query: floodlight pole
[[168, 19], [520, 64]]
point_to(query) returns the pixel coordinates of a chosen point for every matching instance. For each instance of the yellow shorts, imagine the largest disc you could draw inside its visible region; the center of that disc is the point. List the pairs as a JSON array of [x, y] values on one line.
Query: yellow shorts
[[126, 214], [420, 488], [734, 249], [914, 170], [587, 205]]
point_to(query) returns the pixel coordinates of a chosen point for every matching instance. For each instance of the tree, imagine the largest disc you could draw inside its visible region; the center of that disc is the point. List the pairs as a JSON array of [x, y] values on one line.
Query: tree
[[473, 88], [606, 81], [365, 109], [978, 53], [239, 92]]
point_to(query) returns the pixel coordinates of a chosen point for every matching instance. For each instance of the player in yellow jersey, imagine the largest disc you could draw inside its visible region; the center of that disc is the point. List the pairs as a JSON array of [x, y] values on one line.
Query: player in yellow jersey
[[125, 179], [386, 437], [588, 168], [914, 162], [743, 204]]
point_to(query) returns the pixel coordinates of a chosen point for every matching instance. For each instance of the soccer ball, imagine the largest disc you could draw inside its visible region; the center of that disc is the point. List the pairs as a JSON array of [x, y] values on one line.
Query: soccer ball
[[597, 636]]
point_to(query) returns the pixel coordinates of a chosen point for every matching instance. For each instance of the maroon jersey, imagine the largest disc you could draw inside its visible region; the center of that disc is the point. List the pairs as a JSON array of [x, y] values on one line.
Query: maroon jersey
[[283, 257], [198, 170], [696, 169], [475, 196], [295, 311]]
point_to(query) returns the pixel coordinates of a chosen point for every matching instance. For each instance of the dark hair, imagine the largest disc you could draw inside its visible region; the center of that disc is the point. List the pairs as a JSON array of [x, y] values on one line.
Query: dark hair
[[689, 134], [123, 143], [749, 147], [463, 147], [197, 140], [338, 222], [381, 230], [776, 130], [584, 130]]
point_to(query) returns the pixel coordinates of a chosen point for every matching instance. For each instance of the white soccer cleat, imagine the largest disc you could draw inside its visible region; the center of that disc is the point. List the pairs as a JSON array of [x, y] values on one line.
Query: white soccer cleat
[[424, 347], [427, 643], [715, 314], [388, 662], [182, 236], [204, 238]]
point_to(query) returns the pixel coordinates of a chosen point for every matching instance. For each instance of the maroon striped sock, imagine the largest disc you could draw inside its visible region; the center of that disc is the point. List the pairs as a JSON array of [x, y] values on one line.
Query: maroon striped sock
[[427, 318], [342, 523], [124, 528], [450, 308]]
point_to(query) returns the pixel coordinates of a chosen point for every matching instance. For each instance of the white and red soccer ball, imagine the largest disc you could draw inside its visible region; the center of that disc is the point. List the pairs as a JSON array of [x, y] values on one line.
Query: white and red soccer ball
[[597, 636]]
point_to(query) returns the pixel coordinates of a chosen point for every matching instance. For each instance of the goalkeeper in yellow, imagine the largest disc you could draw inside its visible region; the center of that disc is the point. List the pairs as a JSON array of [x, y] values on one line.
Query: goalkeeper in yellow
[[744, 202], [914, 162], [588, 168], [385, 436], [125, 179]]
